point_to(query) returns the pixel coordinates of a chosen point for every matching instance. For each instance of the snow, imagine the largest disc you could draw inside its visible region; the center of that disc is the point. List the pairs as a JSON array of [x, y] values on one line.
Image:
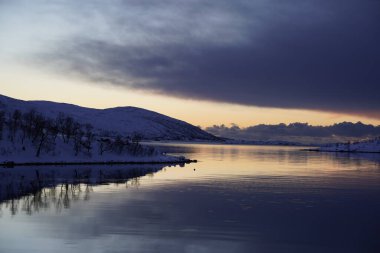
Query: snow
[[16, 148], [64, 153], [368, 146]]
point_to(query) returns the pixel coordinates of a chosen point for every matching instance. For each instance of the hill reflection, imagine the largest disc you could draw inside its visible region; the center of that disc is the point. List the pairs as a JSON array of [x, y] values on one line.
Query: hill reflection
[[30, 190]]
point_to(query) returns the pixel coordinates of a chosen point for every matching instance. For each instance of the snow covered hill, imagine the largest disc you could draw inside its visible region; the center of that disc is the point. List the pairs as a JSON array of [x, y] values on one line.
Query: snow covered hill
[[369, 146], [126, 121]]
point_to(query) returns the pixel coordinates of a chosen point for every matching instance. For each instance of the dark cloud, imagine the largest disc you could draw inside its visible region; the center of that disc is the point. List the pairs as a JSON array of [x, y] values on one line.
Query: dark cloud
[[320, 55], [298, 132]]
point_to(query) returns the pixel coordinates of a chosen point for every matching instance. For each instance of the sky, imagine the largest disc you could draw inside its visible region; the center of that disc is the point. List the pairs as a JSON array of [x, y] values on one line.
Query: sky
[[205, 62]]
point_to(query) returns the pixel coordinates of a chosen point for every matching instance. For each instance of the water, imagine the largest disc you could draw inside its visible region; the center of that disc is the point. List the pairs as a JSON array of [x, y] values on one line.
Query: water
[[235, 199]]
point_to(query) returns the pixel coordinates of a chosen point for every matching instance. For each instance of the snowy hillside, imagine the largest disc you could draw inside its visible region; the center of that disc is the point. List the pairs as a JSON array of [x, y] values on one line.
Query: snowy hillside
[[126, 121], [64, 153], [30, 138], [369, 146]]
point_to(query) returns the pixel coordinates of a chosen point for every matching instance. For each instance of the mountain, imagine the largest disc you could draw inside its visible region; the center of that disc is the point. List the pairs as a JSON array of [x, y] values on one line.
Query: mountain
[[301, 133], [119, 120]]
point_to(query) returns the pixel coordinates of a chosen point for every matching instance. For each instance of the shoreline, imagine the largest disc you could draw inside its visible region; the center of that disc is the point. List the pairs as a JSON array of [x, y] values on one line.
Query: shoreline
[[341, 151], [11, 164]]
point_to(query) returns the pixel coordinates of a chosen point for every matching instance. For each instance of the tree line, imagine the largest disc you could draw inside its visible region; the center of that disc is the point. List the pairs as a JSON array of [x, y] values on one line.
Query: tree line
[[44, 133]]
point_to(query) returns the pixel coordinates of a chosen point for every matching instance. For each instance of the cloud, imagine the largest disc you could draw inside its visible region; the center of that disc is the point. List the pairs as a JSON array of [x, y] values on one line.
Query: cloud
[[298, 132], [319, 55]]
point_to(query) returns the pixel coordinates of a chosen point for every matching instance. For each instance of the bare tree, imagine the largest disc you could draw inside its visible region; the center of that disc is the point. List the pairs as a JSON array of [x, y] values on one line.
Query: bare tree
[[78, 135], [28, 123], [40, 133], [89, 137], [53, 129], [119, 144], [13, 123], [105, 144], [68, 129]]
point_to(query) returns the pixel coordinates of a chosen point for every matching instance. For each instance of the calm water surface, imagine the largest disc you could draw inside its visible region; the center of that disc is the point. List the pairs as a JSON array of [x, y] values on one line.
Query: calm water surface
[[235, 199]]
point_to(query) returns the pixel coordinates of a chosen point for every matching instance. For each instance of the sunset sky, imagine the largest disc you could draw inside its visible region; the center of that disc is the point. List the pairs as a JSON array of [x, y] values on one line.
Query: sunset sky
[[205, 62]]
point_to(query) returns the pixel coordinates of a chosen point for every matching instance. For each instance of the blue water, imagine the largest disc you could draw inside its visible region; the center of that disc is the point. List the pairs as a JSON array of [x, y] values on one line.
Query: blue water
[[235, 199]]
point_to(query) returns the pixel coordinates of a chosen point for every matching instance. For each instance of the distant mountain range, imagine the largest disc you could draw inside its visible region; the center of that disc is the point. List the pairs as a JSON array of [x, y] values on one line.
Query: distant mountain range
[[127, 121], [298, 133]]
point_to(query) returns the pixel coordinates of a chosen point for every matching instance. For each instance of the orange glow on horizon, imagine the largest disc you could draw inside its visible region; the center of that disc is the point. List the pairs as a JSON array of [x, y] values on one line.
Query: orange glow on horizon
[[32, 86]]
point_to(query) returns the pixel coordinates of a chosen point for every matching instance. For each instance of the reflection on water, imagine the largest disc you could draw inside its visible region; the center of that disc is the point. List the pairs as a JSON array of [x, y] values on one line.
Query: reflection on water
[[235, 199], [47, 198], [31, 189], [19, 181], [57, 197]]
